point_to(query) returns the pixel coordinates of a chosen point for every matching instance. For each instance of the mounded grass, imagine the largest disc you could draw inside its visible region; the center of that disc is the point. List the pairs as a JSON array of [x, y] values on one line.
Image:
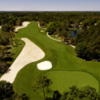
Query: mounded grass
[[63, 58]]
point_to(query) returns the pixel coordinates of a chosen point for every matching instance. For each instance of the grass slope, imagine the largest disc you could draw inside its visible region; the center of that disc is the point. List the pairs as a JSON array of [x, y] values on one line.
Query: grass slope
[[63, 58]]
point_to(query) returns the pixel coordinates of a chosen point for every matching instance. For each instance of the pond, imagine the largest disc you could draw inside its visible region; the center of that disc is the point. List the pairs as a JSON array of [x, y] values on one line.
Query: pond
[[73, 33]]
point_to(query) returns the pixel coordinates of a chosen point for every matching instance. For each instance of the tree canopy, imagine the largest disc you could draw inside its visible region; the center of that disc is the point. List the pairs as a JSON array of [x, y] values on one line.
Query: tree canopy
[[42, 83], [88, 43]]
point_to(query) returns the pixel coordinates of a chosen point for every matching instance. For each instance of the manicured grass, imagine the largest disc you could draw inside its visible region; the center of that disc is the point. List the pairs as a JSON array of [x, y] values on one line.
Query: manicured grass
[[62, 80], [63, 58]]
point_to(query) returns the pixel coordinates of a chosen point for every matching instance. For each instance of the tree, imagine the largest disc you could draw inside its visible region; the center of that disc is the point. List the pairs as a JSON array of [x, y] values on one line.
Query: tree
[[82, 51], [3, 67], [51, 28], [89, 46], [85, 93], [19, 97], [7, 28], [6, 90], [10, 36], [3, 40], [42, 83], [56, 96]]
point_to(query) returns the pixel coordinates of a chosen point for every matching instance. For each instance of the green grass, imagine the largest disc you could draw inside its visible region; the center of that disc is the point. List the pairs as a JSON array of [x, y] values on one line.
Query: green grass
[[63, 58], [62, 80]]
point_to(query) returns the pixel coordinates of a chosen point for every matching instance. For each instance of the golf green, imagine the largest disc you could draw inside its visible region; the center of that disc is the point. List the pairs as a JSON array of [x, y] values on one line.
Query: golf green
[[62, 80]]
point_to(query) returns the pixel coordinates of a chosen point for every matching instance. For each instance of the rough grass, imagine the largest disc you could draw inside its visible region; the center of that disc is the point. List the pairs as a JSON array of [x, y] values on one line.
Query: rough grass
[[63, 58]]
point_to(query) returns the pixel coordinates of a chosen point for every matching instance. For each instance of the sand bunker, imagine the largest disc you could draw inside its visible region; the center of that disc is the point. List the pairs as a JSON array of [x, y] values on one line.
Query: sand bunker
[[24, 24], [30, 53], [42, 30], [45, 65]]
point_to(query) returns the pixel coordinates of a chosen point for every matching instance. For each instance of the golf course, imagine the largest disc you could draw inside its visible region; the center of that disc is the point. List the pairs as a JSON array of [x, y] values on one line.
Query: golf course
[[67, 69]]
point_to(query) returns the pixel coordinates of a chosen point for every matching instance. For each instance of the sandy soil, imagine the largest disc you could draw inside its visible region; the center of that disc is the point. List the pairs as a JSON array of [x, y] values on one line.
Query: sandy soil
[[45, 65], [24, 24], [30, 53], [42, 30]]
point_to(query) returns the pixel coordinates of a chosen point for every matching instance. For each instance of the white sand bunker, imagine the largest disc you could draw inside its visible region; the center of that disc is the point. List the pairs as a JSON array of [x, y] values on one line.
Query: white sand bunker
[[30, 53], [24, 24], [0, 27], [42, 30], [45, 65]]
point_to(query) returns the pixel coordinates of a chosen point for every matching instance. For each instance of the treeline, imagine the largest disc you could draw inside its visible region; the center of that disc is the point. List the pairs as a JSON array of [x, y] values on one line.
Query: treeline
[[7, 38], [16, 18]]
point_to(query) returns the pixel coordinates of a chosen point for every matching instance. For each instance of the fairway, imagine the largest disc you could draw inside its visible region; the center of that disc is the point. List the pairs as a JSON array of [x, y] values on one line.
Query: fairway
[[62, 57]]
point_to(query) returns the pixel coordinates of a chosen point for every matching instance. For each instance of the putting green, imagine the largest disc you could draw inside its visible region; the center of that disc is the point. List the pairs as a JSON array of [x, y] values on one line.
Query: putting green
[[62, 80]]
